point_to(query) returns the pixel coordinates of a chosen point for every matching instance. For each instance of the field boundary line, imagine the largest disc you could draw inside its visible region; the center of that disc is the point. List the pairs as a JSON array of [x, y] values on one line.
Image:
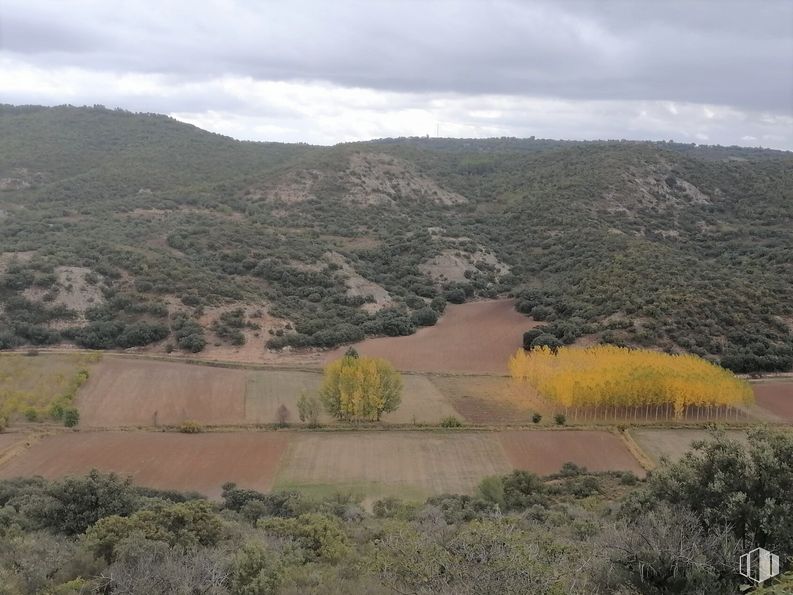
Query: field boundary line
[[638, 453]]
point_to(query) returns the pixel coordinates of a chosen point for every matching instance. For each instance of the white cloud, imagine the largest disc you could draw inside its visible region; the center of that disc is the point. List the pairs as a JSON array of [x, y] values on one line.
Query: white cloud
[[350, 70]]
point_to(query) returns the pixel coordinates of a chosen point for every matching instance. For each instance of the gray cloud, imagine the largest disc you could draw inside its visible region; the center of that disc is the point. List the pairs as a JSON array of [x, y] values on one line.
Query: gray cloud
[[736, 54]]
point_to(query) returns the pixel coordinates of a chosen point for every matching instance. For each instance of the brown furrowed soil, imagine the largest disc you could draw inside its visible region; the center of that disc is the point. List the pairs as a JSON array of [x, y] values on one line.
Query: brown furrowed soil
[[545, 451], [416, 462], [492, 399], [137, 392], [672, 444], [199, 462], [776, 396], [478, 337]]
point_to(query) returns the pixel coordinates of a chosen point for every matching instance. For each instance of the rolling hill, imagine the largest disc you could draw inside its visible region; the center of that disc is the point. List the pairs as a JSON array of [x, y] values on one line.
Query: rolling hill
[[122, 230]]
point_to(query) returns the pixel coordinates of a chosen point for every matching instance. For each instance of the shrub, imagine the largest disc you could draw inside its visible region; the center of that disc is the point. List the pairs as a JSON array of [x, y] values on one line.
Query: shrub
[[424, 317], [492, 490], [546, 340], [455, 296], [31, 414], [309, 408], [451, 422], [560, 419], [71, 416], [536, 418], [282, 415], [191, 427]]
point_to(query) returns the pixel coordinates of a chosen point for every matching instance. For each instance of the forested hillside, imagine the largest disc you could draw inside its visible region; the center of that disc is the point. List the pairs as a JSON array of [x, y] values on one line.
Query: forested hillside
[[122, 230]]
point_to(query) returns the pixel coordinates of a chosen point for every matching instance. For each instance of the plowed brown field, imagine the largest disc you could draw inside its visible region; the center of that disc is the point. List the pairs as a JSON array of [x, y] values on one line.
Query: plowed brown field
[[477, 337], [200, 462], [545, 451], [133, 392], [776, 396]]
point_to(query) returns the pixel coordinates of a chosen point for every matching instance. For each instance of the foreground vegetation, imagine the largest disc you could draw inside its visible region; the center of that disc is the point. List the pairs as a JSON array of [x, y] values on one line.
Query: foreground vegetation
[[680, 531], [660, 245]]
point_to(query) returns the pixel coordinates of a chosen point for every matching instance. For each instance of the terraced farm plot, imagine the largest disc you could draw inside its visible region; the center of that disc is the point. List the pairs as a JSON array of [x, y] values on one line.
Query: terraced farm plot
[[477, 337], [672, 444], [35, 382], [545, 451], [492, 399], [411, 463], [266, 391], [775, 395], [200, 462], [138, 392]]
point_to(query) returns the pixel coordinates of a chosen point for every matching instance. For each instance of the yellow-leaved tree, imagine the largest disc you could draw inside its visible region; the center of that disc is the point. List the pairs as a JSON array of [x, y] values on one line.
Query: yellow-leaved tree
[[360, 388], [630, 381]]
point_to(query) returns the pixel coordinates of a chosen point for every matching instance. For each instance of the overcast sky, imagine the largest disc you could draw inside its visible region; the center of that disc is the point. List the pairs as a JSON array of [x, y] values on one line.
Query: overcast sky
[[325, 71]]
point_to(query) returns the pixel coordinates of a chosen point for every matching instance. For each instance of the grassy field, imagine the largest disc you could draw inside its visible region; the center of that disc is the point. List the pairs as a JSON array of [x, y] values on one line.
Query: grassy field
[[32, 383]]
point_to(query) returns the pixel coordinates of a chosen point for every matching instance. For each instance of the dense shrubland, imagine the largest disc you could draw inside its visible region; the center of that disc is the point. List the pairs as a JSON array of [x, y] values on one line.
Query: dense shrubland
[[679, 531], [659, 245]]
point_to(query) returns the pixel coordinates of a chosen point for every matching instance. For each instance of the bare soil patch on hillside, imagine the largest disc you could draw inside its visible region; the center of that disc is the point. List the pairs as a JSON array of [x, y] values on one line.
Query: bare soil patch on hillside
[[545, 451], [478, 337], [776, 396], [200, 462], [137, 392], [433, 463]]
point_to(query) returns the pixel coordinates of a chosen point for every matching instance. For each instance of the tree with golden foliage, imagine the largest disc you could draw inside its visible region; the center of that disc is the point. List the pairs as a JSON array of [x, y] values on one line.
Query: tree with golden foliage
[[607, 376], [360, 388]]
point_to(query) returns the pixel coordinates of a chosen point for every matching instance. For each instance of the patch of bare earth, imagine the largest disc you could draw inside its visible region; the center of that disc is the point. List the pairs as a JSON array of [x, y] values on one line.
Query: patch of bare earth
[[137, 392], [452, 265], [72, 290], [775, 396], [199, 462], [545, 451], [376, 178], [478, 337], [358, 286]]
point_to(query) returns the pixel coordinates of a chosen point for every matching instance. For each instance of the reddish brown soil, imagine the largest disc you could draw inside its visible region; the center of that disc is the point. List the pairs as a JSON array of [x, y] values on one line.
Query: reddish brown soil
[[133, 392], [776, 396], [200, 462], [478, 337], [545, 451]]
